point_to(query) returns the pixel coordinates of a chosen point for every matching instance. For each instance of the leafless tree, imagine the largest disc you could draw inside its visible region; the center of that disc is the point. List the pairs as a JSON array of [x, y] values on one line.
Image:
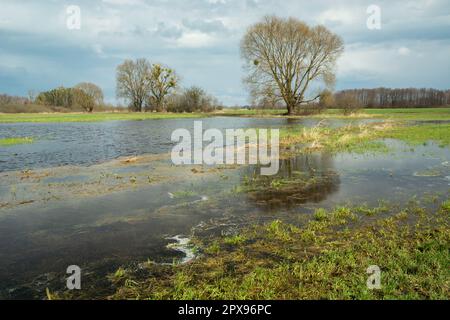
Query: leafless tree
[[133, 82], [287, 55], [31, 95]]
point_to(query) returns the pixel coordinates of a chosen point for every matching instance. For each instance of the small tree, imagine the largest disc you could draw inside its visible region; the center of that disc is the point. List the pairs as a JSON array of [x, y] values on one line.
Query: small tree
[[348, 103], [31, 96], [193, 99], [83, 100], [93, 91], [326, 99], [162, 80]]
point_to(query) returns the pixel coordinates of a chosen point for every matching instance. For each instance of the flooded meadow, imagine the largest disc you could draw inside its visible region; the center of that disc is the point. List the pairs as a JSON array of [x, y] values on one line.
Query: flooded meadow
[[106, 196]]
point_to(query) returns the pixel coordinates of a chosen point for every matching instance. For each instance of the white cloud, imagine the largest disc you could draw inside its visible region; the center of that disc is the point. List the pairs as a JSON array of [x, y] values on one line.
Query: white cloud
[[200, 38], [404, 51], [340, 15]]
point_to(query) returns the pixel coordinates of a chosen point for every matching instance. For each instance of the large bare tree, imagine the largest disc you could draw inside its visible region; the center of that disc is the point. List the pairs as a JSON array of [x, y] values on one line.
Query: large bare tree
[[285, 56], [133, 82]]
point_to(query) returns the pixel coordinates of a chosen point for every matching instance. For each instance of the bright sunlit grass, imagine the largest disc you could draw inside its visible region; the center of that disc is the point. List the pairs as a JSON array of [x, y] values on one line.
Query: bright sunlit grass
[[15, 141], [90, 117]]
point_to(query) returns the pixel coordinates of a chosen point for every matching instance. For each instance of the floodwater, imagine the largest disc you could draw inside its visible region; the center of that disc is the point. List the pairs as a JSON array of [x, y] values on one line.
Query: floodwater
[[58, 144], [101, 216]]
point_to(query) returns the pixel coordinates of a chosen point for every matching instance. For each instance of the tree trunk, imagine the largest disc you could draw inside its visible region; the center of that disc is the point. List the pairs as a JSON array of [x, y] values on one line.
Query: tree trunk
[[290, 109]]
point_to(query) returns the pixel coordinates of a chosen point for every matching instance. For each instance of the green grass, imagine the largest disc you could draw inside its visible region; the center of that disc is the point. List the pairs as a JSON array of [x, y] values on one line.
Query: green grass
[[91, 117], [411, 114], [399, 114], [364, 138], [327, 258], [420, 134], [395, 114], [15, 141], [355, 139]]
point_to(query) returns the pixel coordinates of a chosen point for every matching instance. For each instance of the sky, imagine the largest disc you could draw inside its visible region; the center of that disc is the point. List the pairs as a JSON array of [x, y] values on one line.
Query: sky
[[41, 46]]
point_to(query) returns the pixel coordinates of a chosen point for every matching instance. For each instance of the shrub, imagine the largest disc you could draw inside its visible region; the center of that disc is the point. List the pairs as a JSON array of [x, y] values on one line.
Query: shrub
[[348, 104]]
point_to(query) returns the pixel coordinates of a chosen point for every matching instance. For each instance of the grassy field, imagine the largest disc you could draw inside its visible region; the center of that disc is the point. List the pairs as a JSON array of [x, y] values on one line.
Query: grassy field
[[364, 138], [90, 117], [397, 114], [327, 258]]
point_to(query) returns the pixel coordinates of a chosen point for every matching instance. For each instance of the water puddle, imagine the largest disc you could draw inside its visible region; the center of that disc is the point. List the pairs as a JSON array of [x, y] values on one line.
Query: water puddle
[[183, 245]]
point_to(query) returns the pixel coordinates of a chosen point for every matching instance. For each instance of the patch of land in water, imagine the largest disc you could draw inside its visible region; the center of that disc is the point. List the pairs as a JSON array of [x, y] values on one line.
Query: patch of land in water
[[27, 187], [14, 141], [364, 138]]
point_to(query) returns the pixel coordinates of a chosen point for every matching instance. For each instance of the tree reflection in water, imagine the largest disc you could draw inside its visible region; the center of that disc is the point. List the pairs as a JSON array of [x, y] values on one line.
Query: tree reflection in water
[[301, 179]]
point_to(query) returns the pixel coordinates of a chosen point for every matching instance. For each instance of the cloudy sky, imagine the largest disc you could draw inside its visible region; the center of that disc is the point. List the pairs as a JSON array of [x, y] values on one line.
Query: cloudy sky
[[200, 39]]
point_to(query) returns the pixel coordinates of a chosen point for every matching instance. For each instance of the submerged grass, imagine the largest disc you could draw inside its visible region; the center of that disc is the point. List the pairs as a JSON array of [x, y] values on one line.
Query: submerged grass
[[364, 138], [357, 139], [15, 141], [325, 259]]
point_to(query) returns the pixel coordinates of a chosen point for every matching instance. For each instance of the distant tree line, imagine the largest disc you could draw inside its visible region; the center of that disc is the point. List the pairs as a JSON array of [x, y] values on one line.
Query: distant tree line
[[394, 98], [7, 99]]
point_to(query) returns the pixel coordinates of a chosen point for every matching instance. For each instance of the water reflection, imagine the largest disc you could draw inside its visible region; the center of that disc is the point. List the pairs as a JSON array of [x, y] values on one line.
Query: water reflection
[[301, 179]]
